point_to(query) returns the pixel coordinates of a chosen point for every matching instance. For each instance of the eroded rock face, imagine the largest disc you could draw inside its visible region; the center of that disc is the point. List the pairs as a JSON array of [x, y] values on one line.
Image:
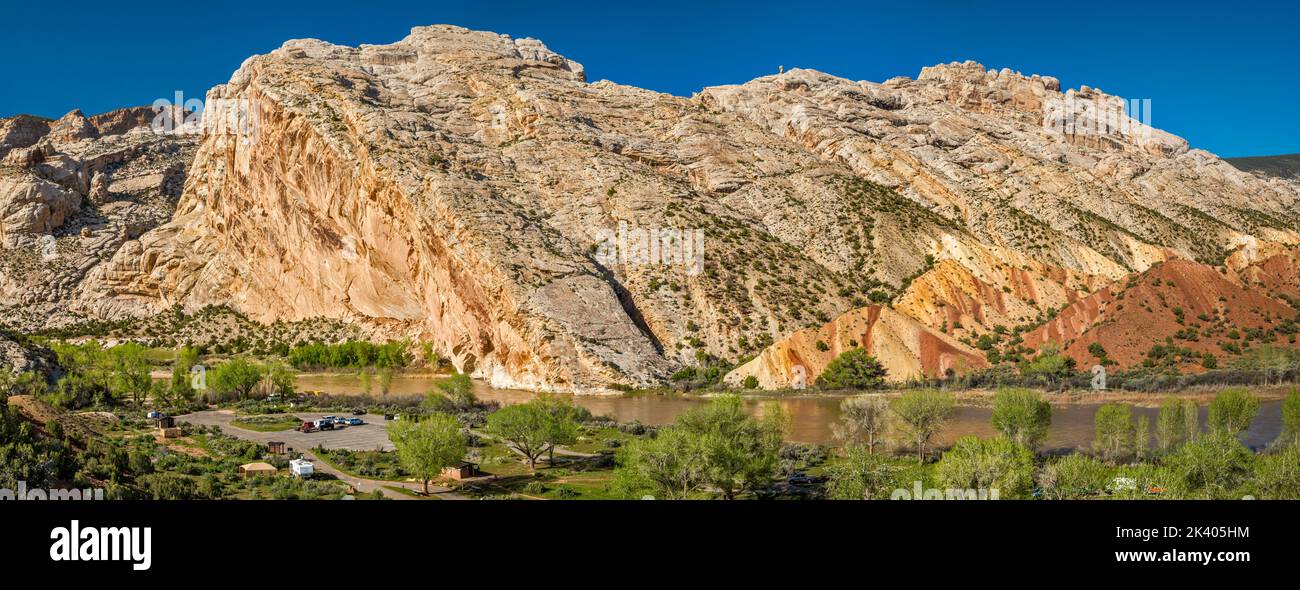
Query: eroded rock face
[[72, 192], [903, 346], [465, 188]]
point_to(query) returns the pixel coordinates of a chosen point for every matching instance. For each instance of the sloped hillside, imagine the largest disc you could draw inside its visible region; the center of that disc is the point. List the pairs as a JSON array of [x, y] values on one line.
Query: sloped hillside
[[1180, 303], [904, 347], [476, 192]]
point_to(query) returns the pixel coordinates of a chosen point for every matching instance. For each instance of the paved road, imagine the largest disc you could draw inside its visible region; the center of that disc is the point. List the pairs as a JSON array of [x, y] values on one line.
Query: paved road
[[367, 437], [370, 436]]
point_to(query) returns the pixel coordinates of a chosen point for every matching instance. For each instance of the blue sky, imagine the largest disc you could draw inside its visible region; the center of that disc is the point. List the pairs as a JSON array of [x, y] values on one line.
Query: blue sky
[[1224, 77]]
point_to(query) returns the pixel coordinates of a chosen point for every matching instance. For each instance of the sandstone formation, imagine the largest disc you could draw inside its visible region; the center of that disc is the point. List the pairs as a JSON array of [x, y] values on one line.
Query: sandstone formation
[[475, 191], [72, 192], [902, 345]]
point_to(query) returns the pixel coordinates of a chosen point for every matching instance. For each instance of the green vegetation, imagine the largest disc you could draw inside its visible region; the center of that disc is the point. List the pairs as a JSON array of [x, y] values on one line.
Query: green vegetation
[[997, 463], [922, 414], [716, 446], [863, 421], [1022, 415], [852, 369], [428, 446], [353, 354]]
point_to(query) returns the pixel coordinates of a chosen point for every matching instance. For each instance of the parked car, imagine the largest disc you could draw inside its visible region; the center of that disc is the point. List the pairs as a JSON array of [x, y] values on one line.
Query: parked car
[[307, 427], [358, 412], [388, 416], [355, 421], [324, 424]]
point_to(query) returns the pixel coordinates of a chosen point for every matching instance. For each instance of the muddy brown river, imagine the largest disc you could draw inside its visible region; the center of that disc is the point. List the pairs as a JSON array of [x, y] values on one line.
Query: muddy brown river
[[811, 416]]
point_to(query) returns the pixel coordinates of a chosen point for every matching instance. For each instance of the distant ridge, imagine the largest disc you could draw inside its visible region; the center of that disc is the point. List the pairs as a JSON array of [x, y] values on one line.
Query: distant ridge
[[1287, 166]]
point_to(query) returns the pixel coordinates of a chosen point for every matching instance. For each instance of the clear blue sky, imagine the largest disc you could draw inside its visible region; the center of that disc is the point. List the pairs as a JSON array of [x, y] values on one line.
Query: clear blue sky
[[1225, 77]]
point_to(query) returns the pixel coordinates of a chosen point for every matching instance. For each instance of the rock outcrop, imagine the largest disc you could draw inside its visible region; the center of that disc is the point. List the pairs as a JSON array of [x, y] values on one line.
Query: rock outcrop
[[476, 192], [904, 347]]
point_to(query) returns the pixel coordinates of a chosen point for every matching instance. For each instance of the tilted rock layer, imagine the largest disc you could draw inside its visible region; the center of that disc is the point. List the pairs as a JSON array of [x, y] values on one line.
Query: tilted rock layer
[[463, 188]]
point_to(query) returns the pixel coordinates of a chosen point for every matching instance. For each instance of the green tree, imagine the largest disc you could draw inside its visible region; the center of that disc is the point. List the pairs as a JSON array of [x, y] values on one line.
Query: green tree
[[428, 446], [1213, 466], [130, 372], [1277, 476], [864, 420], [1290, 420], [1232, 410], [1022, 415], [526, 428], [1115, 435], [863, 475], [740, 452], [1074, 476], [988, 464], [1050, 367], [923, 413], [236, 377], [563, 426], [750, 382], [852, 369], [459, 390], [385, 380], [669, 466], [714, 446]]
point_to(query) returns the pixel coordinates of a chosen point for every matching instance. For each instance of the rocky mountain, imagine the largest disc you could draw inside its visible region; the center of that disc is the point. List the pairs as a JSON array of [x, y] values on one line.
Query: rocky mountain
[[72, 192], [475, 191]]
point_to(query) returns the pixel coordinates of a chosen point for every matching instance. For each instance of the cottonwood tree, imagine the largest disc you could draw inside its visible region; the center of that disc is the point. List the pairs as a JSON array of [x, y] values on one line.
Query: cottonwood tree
[[863, 475], [993, 464], [1115, 435], [1172, 428], [1290, 420], [130, 372], [428, 446], [526, 428], [1074, 476], [922, 414], [717, 446], [1022, 415], [1213, 466], [563, 426], [669, 466], [236, 377], [864, 420], [1232, 410]]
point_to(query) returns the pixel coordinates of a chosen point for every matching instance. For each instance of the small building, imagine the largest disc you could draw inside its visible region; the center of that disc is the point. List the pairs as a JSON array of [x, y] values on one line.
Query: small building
[[166, 422], [301, 468], [166, 433], [256, 469], [275, 447], [466, 470]]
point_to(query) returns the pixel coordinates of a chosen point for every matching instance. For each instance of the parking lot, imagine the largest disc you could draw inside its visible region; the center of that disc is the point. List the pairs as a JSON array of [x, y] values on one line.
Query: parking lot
[[367, 437]]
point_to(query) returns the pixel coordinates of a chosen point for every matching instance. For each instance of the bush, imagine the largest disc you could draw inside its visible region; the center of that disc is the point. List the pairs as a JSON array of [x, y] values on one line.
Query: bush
[[1022, 416], [853, 369], [1074, 476], [1232, 410], [993, 464]]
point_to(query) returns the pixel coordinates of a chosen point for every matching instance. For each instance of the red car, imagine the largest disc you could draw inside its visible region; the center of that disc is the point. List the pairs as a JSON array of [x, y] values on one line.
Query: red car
[[307, 427]]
